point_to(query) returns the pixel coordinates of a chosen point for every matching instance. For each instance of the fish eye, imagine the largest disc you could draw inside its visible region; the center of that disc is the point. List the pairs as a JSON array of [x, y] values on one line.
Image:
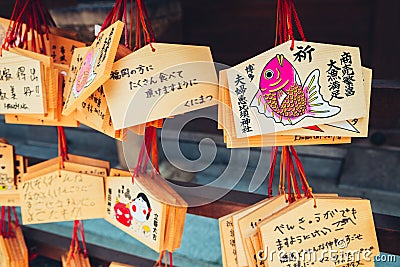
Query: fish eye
[[268, 74]]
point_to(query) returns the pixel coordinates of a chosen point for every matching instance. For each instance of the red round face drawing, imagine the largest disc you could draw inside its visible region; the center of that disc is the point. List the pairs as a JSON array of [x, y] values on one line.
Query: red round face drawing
[[122, 214]]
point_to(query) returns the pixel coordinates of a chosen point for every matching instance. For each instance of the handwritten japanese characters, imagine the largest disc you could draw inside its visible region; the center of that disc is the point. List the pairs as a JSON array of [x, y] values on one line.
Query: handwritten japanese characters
[[21, 83], [313, 84], [62, 196], [171, 80], [94, 67], [226, 123], [339, 224], [61, 49]]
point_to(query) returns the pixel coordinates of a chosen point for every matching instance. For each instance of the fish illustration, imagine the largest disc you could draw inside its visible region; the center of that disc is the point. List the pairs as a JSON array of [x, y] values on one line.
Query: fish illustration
[[86, 74], [284, 98]]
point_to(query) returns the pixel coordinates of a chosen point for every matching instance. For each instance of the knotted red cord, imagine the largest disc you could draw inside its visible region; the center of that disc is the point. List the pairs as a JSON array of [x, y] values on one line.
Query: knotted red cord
[[62, 146], [10, 230], [274, 153], [148, 153], [286, 11], [3, 222], [142, 24], [15, 217], [83, 239], [36, 19]]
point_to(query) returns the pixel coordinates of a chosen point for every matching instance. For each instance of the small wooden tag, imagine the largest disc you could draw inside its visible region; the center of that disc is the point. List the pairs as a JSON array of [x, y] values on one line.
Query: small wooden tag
[[340, 225], [226, 123], [21, 84], [95, 67], [283, 89], [116, 264], [134, 209], [62, 196], [172, 80]]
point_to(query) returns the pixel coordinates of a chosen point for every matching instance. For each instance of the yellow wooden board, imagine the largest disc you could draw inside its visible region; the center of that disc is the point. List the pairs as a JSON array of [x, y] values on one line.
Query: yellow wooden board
[[246, 222], [94, 68], [4, 255], [239, 240], [336, 224], [21, 84], [94, 109], [89, 113], [356, 127], [134, 209], [227, 124], [172, 80], [76, 260], [227, 236], [7, 168], [62, 196], [116, 264], [282, 89], [61, 48], [53, 117], [22, 245]]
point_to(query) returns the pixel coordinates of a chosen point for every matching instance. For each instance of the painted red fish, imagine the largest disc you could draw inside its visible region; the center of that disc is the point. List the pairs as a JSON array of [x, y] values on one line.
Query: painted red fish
[[284, 98]]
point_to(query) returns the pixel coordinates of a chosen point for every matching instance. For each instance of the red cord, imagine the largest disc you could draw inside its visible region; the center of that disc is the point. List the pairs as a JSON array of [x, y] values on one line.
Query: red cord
[[274, 153], [170, 259], [33, 15], [82, 231], [293, 173], [286, 10], [3, 221], [10, 231], [15, 217]]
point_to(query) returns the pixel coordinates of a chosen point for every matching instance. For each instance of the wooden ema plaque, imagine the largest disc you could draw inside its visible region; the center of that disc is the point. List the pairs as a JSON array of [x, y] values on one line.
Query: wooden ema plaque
[[226, 123], [95, 67], [93, 111], [116, 264], [76, 260], [13, 249], [10, 167], [61, 48], [4, 255], [343, 226], [51, 194], [171, 80], [246, 223], [237, 227], [21, 84], [7, 168], [283, 89], [144, 210], [356, 127]]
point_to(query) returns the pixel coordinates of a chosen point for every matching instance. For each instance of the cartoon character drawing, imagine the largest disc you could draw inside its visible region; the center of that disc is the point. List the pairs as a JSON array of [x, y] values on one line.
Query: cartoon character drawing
[[122, 213], [86, 74], [140, 208], [284, 98], [146, 230]]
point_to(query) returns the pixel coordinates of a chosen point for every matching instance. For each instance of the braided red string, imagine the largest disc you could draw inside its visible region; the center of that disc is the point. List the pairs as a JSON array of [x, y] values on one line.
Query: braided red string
[[36, 19], [274, 153], [286, 10]]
